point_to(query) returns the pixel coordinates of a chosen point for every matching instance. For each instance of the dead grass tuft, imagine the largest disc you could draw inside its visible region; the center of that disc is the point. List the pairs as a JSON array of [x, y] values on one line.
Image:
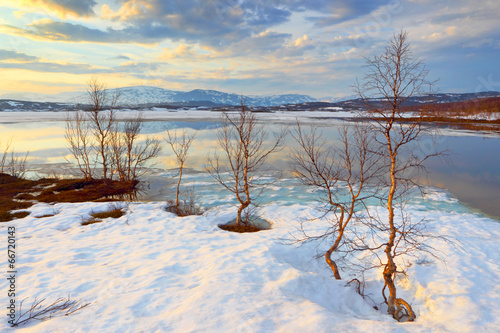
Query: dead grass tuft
[[99, 217], [116, 213], [47, 215], [241, 228]]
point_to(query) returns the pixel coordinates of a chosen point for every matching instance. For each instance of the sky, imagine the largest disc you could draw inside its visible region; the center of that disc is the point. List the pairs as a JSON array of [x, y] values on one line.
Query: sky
[[313, 47]]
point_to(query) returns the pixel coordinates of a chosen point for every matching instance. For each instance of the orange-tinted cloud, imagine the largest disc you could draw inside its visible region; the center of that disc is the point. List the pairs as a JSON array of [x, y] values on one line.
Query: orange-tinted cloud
[[63, 8]]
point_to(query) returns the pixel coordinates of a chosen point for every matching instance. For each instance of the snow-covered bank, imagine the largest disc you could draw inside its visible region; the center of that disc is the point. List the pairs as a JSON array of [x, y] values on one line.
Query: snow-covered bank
[[152, 271]]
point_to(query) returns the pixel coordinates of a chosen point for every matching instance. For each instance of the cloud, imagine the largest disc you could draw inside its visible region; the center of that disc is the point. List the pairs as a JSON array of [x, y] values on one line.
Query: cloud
[[216, 23], [263, 44], [48, 30], [133, 67], [338, 11], [120, 57], [182, 51], [19, 60], [6, 55], [53, 67], [63, 8]]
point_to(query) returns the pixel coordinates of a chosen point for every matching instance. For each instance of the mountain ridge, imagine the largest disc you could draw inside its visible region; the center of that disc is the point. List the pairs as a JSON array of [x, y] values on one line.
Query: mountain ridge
[[140, 95]]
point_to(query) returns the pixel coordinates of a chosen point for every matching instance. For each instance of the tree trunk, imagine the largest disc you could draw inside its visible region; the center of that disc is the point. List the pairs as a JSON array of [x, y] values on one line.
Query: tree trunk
[[240, 211], [178, 189], [390, 267], [331, 263]]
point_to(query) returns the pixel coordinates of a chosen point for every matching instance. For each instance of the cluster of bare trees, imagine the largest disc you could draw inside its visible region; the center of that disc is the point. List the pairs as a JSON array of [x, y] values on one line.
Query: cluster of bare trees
[[97, 140], [105, 148], [377, 160]]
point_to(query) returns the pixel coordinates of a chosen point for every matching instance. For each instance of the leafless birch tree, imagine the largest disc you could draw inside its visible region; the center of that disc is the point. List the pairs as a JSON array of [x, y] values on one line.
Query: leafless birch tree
[[245, 147], [130, 156], [390, 80], [77, 134], [102, 119], [346, 177], [180, 144]]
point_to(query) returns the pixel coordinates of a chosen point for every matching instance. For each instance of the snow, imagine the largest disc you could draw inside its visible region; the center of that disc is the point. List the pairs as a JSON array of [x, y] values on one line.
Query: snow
[[14, 104], [150, 270]]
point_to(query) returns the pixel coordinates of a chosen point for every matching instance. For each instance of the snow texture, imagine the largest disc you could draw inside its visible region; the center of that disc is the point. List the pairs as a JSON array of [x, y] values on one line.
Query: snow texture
[[151, 271]]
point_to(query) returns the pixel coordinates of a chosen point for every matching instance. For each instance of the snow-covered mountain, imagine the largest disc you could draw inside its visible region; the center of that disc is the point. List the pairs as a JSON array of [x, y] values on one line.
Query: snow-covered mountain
[[154, 96], [138, 95], [337, 99], [145, 95]]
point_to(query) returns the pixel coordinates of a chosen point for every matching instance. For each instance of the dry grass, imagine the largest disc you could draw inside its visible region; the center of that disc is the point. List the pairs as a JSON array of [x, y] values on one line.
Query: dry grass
[[47, 215], [115, 213], [69, 190], [10, 188], [241, 228], [17, 193], [99, 217], [7, 216], [185, 209]]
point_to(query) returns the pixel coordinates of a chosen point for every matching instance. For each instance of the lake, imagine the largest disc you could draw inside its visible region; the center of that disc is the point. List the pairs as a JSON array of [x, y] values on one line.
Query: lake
[[473, 176]]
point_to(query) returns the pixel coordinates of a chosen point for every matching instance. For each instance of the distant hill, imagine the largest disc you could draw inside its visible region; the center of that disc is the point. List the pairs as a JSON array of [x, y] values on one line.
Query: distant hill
[[149, 97], [358, 104], [141, 95]]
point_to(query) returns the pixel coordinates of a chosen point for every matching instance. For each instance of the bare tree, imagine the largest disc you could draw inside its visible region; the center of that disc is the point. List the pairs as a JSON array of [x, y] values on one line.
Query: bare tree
[[345, 177], [102, 116], [96, 137], [13, 163], [77, 134], [180, 144], [245, 148], [130, 158], [390, 80]]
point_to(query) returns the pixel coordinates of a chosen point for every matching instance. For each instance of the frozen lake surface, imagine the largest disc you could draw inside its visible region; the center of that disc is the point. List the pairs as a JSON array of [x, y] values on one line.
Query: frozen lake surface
[[473, 176]]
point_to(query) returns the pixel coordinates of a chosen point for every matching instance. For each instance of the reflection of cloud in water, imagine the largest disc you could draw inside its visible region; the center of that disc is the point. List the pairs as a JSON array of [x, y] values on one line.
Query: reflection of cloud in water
[[153, 127]]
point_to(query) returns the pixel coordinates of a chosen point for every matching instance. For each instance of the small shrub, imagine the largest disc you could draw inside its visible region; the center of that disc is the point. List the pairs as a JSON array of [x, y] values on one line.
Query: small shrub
[[187, 205], [38, 311]]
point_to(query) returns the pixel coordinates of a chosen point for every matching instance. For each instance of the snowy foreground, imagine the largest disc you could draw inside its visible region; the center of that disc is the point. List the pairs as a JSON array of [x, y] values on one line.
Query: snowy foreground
[[150, 271]]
